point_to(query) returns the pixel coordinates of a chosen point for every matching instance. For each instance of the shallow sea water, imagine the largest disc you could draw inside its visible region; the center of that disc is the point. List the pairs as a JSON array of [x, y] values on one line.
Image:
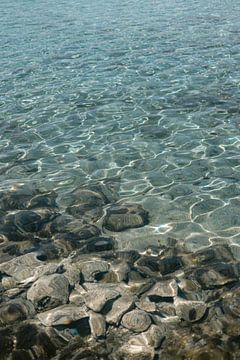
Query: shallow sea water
[[145, 93]]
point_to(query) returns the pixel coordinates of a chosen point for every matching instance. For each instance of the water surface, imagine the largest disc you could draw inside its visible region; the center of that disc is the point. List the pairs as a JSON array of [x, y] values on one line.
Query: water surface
[[143, 92]]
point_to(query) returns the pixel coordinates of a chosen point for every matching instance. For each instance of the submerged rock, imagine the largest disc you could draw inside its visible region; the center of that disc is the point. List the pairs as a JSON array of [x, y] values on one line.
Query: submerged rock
[[91, 269], [134, 352], [62, 315], [100, 243], [16, 310], [163, 289], [99, 297], [120, 306], [49, 291], [215, 275], [21, 267], [97, 324], [122, 217], [136, 320], [190, 310]]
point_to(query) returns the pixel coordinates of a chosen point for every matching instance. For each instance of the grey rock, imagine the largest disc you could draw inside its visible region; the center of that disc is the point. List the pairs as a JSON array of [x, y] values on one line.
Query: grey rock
[[97, 298], [21, 267], [215, 275], [134, 352], [97, 325], [49, 291], [90, 269], [153, 337], [122, 217], [100, 243], [119, 308], [72, 273], [16, 310], [146, 305], [62, 315], [163, 289], [190, 311], [136, 320]]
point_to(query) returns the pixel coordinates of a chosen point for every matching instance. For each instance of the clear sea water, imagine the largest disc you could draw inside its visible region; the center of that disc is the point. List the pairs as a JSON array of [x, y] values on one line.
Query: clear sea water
[[146, 93]]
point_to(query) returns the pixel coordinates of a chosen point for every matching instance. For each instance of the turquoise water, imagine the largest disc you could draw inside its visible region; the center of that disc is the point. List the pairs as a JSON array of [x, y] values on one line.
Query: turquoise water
[[145, 93]]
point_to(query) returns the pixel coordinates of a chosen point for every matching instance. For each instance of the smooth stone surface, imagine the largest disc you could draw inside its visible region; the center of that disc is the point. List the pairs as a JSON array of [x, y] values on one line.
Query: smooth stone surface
[[97, 325], [122, 217], [97, 298], [49, 291], [190, 310], [136, 320], [62, 315], [119, 308]]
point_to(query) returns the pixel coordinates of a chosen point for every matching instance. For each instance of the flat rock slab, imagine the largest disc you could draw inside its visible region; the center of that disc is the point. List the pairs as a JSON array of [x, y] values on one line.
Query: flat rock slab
[[190, 311], [119, 308], [62, 315], [122, 217], [167, 288], [21, 267], [136, 320], [90, 269], [49, 291], [99, 296], [15, 310]]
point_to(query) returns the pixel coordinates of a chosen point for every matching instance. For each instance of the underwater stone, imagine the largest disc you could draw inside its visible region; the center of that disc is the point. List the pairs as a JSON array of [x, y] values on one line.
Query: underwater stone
[[136, 320], [98, 298], [190, 310], [231, 302], [62, 315], [16, 310], [90, 269], [86, 211], [153, 337], [100, 243], [167, 288], [215, 275], [30, 221], [43, 200], [97, 324], [119, 308], [170, 264], [21, 267], [49, 291], [134, 352], [122, 217], [128, 256]]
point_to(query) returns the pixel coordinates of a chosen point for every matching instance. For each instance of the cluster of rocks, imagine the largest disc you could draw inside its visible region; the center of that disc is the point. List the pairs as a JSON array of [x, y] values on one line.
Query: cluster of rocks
[[67, 292]]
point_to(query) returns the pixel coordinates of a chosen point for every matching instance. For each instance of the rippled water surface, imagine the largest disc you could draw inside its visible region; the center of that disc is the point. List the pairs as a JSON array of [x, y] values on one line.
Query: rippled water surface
[[145, 93]]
